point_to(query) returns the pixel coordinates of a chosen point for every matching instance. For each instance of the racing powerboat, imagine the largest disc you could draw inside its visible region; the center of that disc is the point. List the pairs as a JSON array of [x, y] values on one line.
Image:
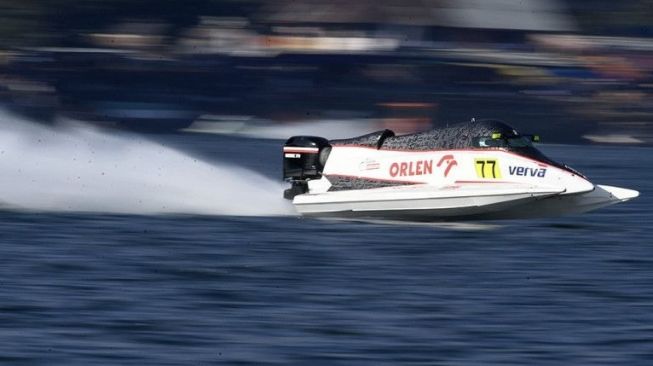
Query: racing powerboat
[[483, 169]]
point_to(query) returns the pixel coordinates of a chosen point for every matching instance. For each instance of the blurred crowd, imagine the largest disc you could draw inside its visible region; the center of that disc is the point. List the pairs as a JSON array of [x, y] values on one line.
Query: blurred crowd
[[571, 70]]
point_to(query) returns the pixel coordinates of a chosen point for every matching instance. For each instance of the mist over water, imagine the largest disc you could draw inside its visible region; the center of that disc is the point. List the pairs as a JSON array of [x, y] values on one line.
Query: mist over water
[[79, 168]]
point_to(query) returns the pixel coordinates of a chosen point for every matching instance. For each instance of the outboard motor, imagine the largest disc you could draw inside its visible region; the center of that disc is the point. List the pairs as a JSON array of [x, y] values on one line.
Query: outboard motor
[[304, 158]]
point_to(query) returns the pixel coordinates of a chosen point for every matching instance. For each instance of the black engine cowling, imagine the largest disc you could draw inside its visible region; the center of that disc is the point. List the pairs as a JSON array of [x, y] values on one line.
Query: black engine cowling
[[304, 158]]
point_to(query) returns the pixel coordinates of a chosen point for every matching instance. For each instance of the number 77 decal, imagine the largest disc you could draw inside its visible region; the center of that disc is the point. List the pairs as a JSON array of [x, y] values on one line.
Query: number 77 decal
[[487, 168]]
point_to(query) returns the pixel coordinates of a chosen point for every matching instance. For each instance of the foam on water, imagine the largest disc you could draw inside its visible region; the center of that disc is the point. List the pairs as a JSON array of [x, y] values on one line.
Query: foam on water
[[80, 168]]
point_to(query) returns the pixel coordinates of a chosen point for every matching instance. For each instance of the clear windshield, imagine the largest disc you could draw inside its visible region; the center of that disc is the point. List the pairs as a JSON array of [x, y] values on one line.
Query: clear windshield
[[517, 141]]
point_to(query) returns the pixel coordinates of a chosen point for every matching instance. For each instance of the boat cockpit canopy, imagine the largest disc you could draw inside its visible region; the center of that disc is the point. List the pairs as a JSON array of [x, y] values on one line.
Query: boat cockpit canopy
[[474, 134], [496, 140]]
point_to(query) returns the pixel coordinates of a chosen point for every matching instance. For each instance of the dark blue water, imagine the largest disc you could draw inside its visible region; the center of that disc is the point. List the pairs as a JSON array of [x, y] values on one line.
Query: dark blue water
[[80, 289]]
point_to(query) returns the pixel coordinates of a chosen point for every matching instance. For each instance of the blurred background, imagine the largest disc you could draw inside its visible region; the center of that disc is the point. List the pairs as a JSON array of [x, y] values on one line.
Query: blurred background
[[177, 248], [573, 71]]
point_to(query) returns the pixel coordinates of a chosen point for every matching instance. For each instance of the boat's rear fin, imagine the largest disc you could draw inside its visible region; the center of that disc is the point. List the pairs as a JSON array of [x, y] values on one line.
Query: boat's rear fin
[[304, 158]]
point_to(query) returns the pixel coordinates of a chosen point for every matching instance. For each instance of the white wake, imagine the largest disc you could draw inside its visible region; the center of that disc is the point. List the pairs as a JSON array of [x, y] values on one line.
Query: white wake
[[80, 168]]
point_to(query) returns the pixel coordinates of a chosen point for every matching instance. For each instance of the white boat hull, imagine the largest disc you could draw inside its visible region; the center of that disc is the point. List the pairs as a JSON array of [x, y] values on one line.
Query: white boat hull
[[420, 202], [560, 205], [427, 204]]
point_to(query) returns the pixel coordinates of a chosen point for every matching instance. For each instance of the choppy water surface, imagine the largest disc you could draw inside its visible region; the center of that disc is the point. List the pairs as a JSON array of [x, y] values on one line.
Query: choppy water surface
[[80, 289]]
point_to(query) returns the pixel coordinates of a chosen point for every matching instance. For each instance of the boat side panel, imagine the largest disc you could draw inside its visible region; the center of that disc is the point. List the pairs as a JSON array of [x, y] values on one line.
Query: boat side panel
[[447, 168]]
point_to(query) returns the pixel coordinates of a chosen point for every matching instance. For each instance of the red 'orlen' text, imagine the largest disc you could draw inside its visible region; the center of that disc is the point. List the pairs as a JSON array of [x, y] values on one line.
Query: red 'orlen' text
[[412, 168]]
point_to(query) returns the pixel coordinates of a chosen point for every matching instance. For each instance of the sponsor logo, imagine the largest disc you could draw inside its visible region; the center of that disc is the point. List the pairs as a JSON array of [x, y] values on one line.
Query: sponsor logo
[[369, 164], [422, 167], [523, 171], [301, 150], [487, 168], [292, 156], [412, 168], [450, 162]]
